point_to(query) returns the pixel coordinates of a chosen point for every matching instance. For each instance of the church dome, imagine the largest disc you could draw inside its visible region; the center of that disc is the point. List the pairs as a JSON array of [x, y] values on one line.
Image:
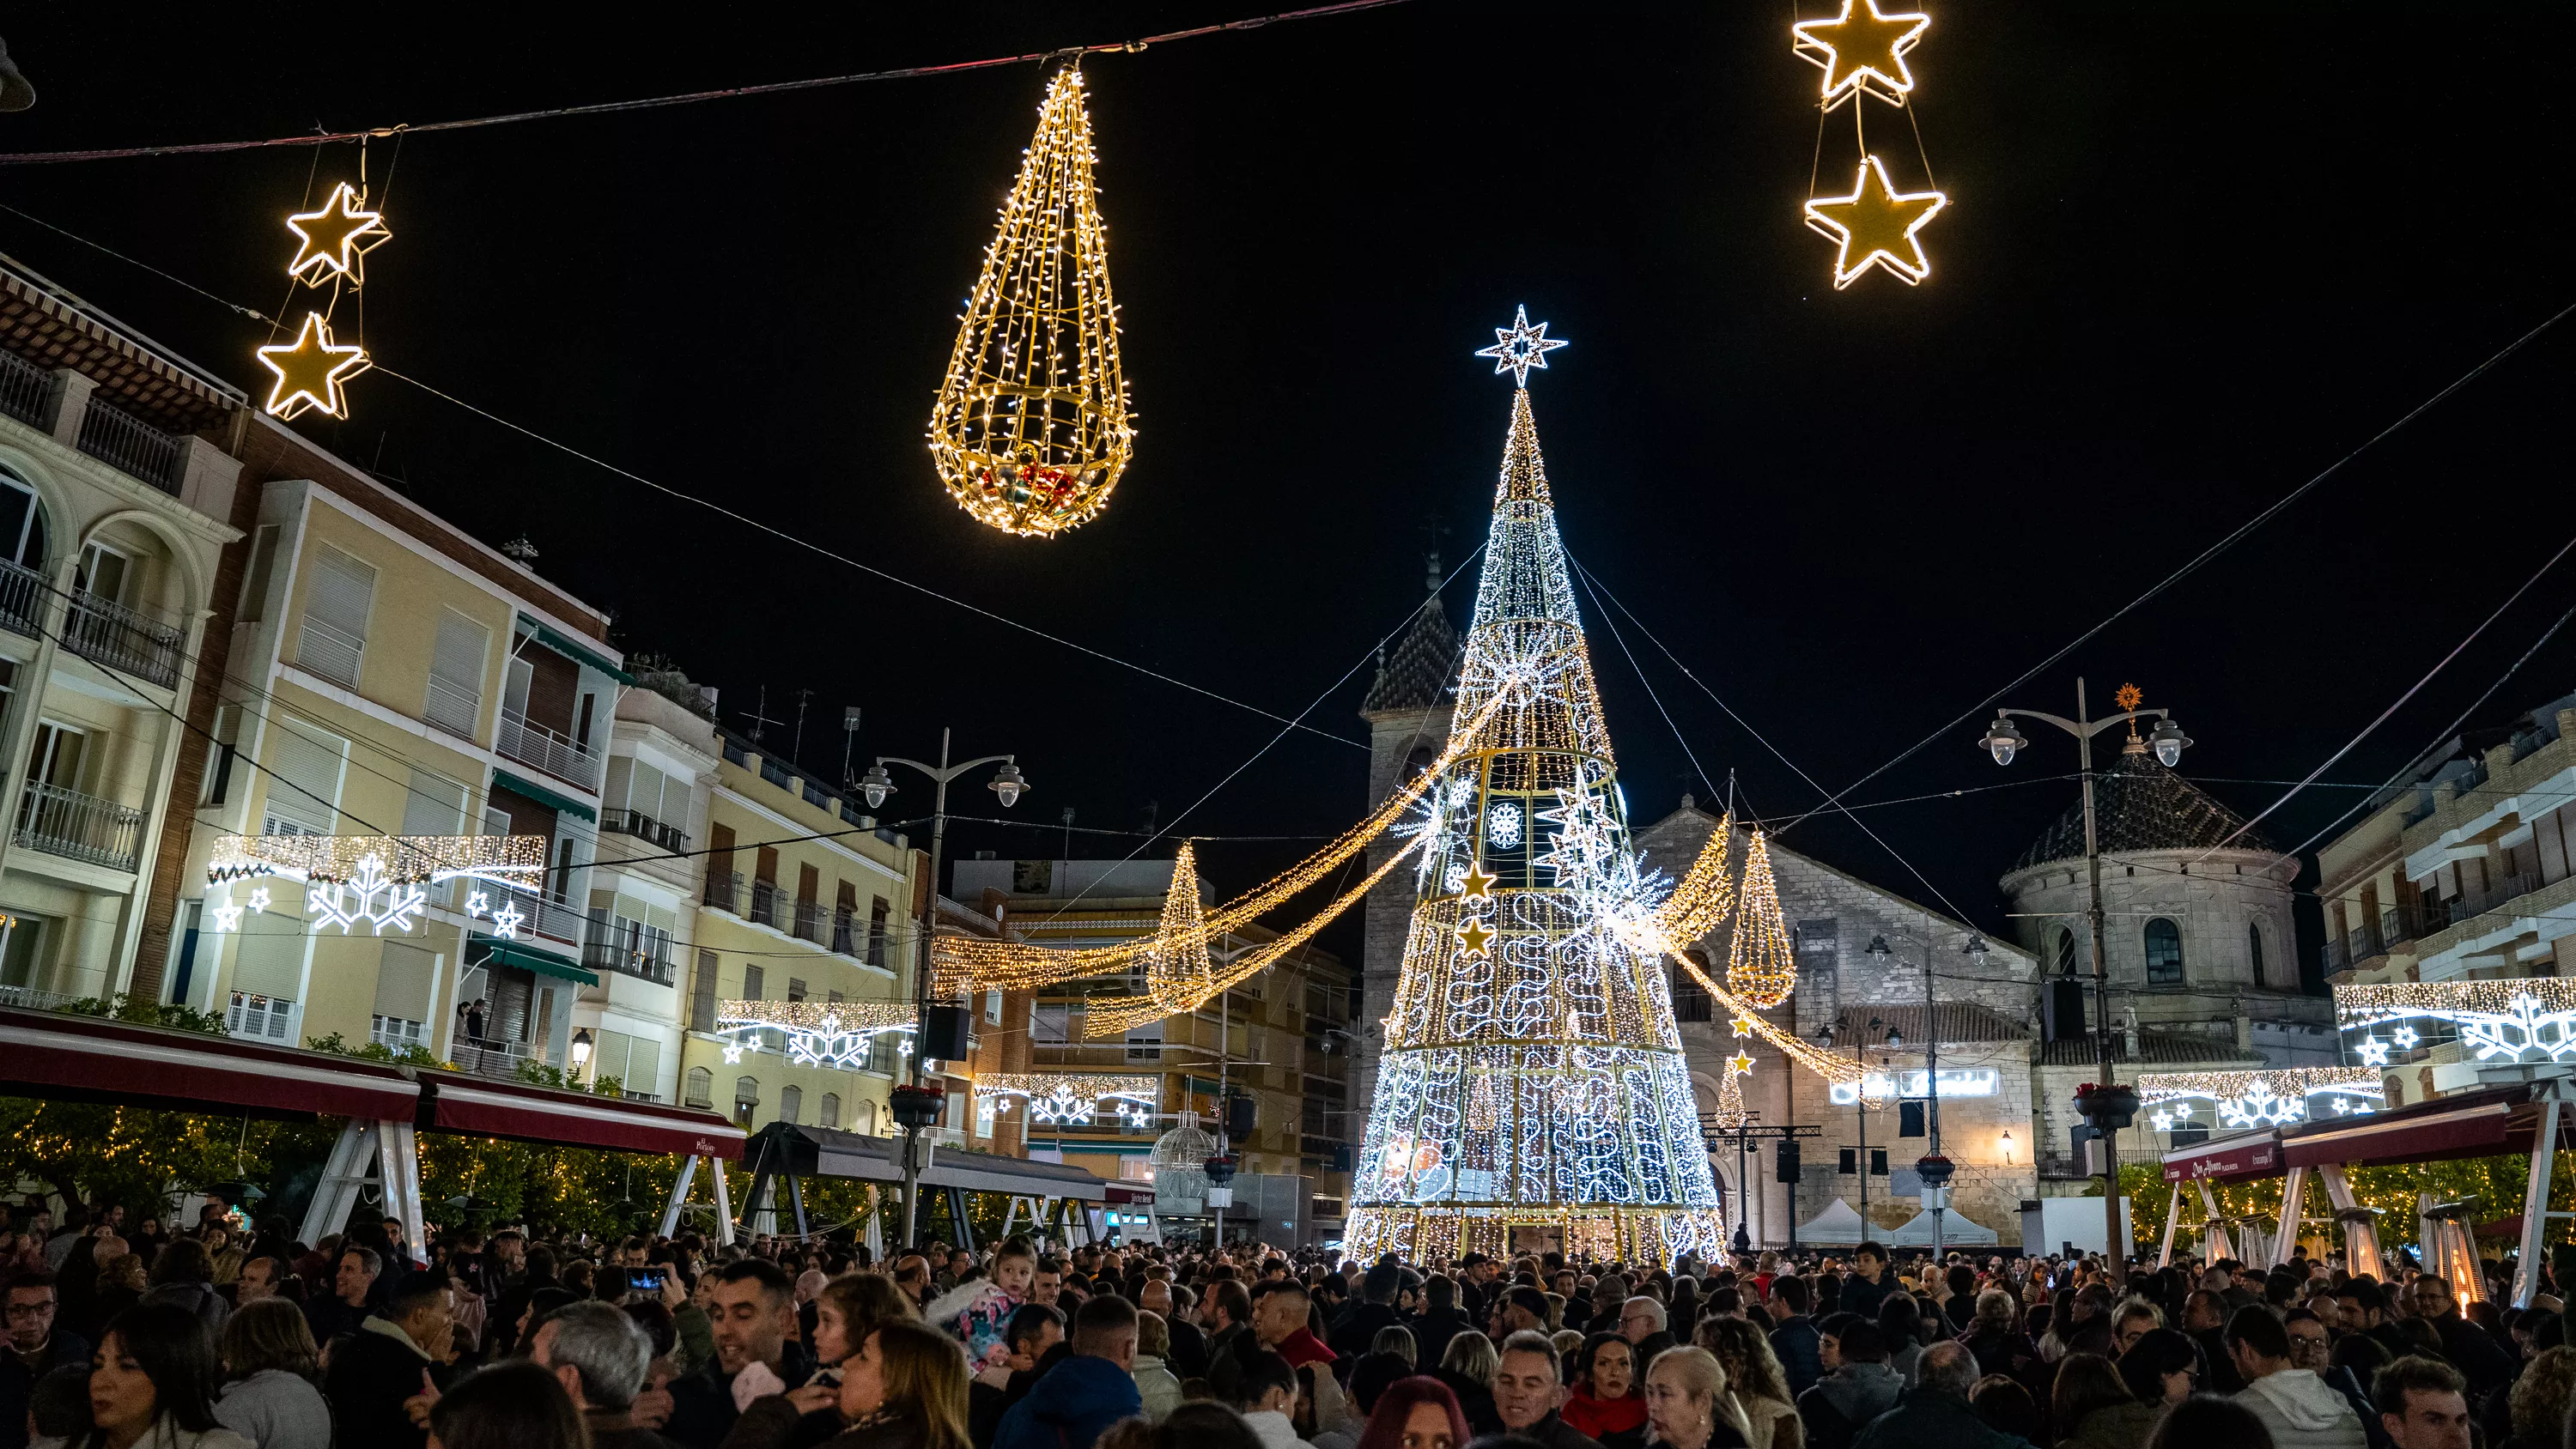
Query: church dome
[[2140, 805]]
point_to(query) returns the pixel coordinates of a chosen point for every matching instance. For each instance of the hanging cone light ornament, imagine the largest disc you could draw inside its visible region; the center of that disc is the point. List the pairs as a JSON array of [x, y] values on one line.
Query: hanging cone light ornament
[[1177, 968], [1759, 967], [1032, 427]]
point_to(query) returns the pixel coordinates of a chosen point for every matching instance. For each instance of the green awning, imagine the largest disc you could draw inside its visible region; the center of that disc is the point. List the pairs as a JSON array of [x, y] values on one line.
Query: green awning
[[574, 649], [554, 800], [529, 958]]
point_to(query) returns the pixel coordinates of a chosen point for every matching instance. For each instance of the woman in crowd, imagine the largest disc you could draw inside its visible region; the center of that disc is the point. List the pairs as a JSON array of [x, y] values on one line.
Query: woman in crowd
[[511, 1405], [271, 1371], [183, 1277], [2162, 1367], [1687, 1403], [1606, 1404], [904, 1389], [1156, 1384], [1415, 1413], [154, 1375], [1467, 1367], [2000, 1347], [1396, 1339], [1760, 1385], [2002, 1403], [2092, 1407]]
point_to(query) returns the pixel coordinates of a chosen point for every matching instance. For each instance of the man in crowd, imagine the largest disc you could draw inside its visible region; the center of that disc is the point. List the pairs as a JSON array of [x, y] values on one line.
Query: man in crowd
[[394, 1357], [1440, 1321], [1091, 1388], [1935, 1414], [346, 1308], [2204, 1318], [36, 1348], [1857, 1385], [2422, 1404], [1525, 1311], [912, 1275], [1869, 1284], [601, 1357], [260, 1278], [2298, 1409], [2471, 1349], [752, 1310], [1228, 1313], [1373, 1310], [1528, 1393], [1188, 1357], [1047, 1285], [1031, 1335], [1795, 1341], [1641, 1322]]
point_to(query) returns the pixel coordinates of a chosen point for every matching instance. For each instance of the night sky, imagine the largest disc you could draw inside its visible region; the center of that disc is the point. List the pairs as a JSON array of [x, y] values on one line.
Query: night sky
[[2194, 255]]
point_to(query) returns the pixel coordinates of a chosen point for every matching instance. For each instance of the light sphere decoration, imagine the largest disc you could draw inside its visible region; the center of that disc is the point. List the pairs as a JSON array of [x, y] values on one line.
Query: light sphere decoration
[[1032, 427]]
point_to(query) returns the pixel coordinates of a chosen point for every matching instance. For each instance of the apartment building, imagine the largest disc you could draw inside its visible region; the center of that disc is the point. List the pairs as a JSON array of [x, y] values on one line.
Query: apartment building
[[391, 676], [2461, 871], [117, 500], [801, 900], [1284, 1038]]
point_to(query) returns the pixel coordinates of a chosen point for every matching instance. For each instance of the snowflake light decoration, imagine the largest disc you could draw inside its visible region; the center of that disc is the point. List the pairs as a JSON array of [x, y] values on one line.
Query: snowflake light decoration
[[834, 1035], [2268, 1097], [1503, 824], [345, 903]]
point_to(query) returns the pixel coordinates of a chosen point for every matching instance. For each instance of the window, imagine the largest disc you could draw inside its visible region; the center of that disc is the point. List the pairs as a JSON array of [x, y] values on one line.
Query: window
[[835, 997], [1815, 943], [2164, 953], [796, 988], [992, 1008], [702, 995], [2065, 952], [746, 1096], [1048, 1024], [1878, 1162], [1849, 1164], [701, 1091], [22, 524], [334, 639], [303, 778], [791, 1104], [265, 1018], [1690, 1001], [2254, 950], [877, 912], [1909, 1119], [751, 984], [456, 674], [1145, 1044], [105, 573], [393, 1031], [831, 1110]]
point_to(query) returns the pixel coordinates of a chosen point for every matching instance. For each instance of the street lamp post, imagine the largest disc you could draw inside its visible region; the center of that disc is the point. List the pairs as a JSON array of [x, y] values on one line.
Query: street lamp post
[[2003, 740], [1860, 1099], [1934, 1166], [1008, 785]]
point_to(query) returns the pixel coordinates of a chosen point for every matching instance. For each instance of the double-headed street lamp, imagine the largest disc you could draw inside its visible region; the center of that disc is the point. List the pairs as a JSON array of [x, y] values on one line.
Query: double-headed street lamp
[[913, 1106], [2168, 741]]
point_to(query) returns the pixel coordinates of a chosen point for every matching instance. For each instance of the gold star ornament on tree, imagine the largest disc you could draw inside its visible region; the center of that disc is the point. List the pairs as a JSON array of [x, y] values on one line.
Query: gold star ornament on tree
[[333, 240], [1476, 884], [1740, 1062], [1473, 937], [1876, 226], [310, 370], [1862, 49]]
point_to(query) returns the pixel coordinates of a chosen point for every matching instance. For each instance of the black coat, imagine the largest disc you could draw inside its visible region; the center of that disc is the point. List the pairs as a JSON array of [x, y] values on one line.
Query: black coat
[[65, 1349], [702, 1411], [1475, 1400], [1188, 1357], [369, 1378], [1431, 1334], [1358, 1327]]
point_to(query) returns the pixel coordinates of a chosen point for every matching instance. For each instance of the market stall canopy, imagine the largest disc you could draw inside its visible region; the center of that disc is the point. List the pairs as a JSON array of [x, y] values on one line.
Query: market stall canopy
[[875, 1159], [57, 1056], [2228, 1159], [482, 1107], [2485, 1123], [1837, 1224], [1958, 1230]]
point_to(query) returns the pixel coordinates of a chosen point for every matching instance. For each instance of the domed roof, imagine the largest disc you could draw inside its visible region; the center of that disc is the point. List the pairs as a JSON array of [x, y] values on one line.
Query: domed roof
[[1415, 674], [2140, 805], [1183, 1149]]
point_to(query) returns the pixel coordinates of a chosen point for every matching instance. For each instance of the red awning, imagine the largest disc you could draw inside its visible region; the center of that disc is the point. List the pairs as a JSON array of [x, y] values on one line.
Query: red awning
[[94, 1059], [1118, 1193], [481, 1107], [2229, 1159], [2467, 1124]]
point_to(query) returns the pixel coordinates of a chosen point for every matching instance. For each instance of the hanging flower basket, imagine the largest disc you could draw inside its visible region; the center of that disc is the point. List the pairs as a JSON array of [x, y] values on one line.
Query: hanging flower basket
[[2109, 1108]]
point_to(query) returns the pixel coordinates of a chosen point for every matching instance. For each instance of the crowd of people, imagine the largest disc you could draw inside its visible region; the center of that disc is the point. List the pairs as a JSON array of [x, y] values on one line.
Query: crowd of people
[[231, 1336]]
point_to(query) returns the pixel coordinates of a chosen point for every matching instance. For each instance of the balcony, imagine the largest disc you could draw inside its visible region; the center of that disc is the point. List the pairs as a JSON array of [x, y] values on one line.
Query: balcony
[[452, 707], [22, 597], [329, 653], [498, 1059], [79, 827], [766, 898], [809, 922], [541, 917], [130, 445], [26, 391], [645, 960], [724, 892], [117, 638], [644, 827], [530, 743]]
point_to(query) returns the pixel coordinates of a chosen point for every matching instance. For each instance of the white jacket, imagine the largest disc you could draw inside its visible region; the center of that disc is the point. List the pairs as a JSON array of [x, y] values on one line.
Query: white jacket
[[2302, 1412]]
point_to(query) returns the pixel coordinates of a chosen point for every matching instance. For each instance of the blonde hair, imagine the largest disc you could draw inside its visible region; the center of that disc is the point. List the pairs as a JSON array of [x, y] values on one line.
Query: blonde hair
[[1703, 1378], [1745, 1356], [925, 1380]]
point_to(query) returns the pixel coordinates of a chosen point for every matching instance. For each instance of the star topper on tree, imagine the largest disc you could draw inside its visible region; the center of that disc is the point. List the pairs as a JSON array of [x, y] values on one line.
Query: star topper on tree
[[1520, 347]]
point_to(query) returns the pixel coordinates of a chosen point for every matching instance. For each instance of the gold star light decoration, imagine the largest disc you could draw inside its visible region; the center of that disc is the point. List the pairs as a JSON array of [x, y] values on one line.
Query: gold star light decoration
[[1032, 426], [1862, 52], [331, 244]]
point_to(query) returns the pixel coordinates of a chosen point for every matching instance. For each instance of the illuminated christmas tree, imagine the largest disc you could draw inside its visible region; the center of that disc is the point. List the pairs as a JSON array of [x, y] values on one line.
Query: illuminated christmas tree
[[1531, 1091]]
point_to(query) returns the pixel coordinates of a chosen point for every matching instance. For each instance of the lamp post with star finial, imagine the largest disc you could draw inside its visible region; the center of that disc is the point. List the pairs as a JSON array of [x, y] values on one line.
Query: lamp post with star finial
[[2003, 740]]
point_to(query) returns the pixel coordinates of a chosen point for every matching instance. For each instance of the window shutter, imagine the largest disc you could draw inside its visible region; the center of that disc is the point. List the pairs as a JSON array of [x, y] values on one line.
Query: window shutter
[[702, 995], [751, 984], [435, 806], [334, 638], [304, 780], [456, 673]]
